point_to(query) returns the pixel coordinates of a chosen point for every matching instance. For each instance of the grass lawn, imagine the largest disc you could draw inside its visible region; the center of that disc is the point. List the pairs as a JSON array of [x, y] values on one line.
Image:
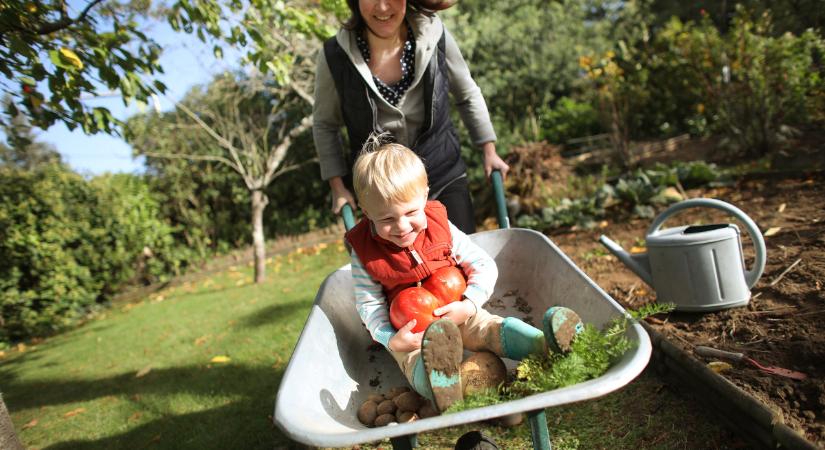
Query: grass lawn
[[144, 375]]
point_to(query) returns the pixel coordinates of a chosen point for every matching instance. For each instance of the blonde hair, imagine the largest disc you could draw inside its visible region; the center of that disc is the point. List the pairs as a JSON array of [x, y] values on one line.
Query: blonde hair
[[387, 173]]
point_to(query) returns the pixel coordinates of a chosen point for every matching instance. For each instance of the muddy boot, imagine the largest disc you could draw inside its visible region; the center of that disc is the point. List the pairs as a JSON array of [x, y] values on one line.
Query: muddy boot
[[442, 351], [561, 325]]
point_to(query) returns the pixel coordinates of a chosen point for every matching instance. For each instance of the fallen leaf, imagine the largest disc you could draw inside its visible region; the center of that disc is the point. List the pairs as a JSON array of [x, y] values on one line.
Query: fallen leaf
[[32, 423], [781, 208], [603, 224], [142, 372], [74, 412], [772, 230], [719, 366], [135, 416], [220, 359], [156, 438], [636, 249], [201, 340], [21, 347], [2, 354]]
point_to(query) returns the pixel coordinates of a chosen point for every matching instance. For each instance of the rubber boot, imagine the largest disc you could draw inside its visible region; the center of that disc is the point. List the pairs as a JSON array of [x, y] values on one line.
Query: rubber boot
[[442, 351], [519, 340], [561, 325]]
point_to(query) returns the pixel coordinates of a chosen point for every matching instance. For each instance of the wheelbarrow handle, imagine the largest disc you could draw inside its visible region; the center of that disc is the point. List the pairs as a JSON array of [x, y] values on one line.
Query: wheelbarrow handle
[[498, 191], [349, 218], [716, 353], [501, 205]]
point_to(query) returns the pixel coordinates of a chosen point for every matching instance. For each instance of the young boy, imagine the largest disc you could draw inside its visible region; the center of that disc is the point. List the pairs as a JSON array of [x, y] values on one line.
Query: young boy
[[402, 240]]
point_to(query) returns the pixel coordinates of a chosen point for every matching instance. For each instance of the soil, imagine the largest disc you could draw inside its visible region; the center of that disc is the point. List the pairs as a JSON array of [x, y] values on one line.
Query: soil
[[784, 323]]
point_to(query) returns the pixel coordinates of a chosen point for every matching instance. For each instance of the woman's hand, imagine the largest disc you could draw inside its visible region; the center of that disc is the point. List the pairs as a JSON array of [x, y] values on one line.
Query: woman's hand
[[457, 312], [405, 340], [340, 195], [492, 161]]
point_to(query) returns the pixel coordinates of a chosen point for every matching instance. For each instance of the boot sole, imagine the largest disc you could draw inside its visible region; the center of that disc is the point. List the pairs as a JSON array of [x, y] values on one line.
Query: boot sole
[[561, 325], [442, 351]]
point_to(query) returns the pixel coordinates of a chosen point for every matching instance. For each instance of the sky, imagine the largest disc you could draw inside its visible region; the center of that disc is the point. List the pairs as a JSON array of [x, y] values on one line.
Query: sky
[[186, 62]]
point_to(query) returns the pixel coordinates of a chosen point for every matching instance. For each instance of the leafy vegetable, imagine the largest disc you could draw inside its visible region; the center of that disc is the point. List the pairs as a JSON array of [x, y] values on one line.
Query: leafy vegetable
[[592, 354]]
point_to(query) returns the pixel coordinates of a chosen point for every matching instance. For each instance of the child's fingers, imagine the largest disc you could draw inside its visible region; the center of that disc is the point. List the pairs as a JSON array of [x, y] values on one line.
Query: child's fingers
[[408, 326]]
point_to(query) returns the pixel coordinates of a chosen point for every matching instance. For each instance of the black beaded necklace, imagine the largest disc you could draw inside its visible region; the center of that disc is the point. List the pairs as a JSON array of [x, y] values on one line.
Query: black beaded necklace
[[394, 92]]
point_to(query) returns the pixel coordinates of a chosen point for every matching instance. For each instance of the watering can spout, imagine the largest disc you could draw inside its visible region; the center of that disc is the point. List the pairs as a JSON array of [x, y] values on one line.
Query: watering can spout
[[639, 263]]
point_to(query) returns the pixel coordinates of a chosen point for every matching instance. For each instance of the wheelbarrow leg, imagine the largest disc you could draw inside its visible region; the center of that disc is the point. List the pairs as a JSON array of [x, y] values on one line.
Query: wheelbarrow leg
[[538, 429], [407, 442]]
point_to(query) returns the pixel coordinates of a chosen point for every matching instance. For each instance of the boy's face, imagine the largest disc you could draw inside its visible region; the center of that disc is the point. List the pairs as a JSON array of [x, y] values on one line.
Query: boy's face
[[399, 223]]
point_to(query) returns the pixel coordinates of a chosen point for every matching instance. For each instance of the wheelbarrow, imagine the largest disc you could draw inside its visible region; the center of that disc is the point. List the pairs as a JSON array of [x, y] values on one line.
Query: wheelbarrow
[[331, 372]]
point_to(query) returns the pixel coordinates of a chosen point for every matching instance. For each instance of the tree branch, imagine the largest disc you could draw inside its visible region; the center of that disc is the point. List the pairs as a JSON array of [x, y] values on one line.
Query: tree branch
[[214, 158], [64, 22]]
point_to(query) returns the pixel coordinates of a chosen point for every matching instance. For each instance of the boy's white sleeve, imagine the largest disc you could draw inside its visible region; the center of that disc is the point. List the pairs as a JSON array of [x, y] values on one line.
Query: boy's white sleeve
[[371, 304], [479, 267]]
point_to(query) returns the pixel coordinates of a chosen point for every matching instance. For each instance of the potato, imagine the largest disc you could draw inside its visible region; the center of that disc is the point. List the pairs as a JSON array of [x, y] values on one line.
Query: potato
[[482, 371], [408, 401], [384, 419], [427, 410], [407, 416], [368, 412], [377, 398], [396, 391], [386, 407]]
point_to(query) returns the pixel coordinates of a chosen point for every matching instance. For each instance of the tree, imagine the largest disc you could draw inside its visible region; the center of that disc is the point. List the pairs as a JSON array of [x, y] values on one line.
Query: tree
[[524, 53], [52, 56], [22, 149], [244, 124], [280, 41]]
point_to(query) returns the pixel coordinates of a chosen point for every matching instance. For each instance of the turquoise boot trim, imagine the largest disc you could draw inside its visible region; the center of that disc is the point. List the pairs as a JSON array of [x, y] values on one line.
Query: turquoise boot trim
[[519, 340], [420, 382]]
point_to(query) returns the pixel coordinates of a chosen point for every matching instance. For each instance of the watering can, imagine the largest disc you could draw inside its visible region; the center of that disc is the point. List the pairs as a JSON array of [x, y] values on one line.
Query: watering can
[[697, 267]]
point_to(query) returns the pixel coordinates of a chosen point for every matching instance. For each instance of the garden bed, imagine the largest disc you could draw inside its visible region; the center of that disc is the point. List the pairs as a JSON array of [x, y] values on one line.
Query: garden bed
[[783, 325]]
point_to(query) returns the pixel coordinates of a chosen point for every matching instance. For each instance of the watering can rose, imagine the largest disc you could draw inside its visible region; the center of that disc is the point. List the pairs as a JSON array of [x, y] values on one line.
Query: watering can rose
[[444, 286]]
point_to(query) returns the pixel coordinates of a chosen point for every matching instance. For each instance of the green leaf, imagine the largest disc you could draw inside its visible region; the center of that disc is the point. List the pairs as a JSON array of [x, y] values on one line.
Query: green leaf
[[218, 52]]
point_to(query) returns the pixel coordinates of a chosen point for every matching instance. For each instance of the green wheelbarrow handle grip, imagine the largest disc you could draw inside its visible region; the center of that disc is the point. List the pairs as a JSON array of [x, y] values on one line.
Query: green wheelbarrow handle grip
[[349, 218], [501, 205]]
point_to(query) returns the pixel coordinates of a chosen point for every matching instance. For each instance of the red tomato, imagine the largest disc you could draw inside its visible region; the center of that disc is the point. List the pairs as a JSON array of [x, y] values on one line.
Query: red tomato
[[447, 284], [413, 303]]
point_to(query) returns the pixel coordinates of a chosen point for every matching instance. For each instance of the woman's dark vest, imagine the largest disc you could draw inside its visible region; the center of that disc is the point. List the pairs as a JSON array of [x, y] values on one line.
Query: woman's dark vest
[[437, 143]]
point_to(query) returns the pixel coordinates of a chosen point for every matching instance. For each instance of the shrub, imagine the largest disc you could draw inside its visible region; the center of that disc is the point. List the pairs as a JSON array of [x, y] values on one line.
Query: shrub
[[67, 245]]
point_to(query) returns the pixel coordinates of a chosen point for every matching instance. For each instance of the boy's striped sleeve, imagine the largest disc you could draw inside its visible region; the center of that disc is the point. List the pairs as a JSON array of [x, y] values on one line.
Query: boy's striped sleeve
[[371, 304]]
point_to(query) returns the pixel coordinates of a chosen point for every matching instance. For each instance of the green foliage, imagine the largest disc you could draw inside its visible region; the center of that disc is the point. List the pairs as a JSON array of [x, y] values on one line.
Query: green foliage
[[67, 244], [567, 119], [637, 191], [747, 83], [522, 64], [51, 59], [22, 148], [591, 355]]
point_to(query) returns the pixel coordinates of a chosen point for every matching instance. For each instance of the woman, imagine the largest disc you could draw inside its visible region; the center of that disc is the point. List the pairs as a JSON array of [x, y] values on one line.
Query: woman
[[390, 69]]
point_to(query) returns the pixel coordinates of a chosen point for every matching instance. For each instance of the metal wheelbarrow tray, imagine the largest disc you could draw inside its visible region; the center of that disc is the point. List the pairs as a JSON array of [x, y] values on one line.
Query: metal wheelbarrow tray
[[332, 372]]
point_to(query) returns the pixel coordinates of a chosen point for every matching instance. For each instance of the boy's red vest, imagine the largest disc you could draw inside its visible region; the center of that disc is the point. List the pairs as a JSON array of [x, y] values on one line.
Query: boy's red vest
[[398, 268]]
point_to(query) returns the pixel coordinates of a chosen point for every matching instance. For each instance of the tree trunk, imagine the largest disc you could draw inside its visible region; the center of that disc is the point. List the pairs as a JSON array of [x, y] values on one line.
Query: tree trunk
[[259, 202], [8, 438]]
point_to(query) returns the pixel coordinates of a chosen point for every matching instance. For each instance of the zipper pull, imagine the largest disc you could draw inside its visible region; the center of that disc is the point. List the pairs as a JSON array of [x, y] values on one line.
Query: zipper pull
[[416, 256]]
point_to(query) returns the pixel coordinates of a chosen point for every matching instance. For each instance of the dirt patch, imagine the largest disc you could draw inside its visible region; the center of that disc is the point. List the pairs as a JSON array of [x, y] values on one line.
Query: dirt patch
[[784, 323]]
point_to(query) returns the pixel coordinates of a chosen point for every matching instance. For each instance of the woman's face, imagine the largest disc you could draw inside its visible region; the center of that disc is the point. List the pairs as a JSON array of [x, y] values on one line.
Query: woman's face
[[383, 17]]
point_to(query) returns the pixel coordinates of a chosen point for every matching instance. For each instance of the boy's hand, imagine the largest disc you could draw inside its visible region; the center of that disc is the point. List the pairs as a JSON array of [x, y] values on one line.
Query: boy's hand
[[458, 312], [405, 340]]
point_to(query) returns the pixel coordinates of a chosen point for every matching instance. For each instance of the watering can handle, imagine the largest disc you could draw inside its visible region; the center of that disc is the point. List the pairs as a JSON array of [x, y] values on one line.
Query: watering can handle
[[751, 276]]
